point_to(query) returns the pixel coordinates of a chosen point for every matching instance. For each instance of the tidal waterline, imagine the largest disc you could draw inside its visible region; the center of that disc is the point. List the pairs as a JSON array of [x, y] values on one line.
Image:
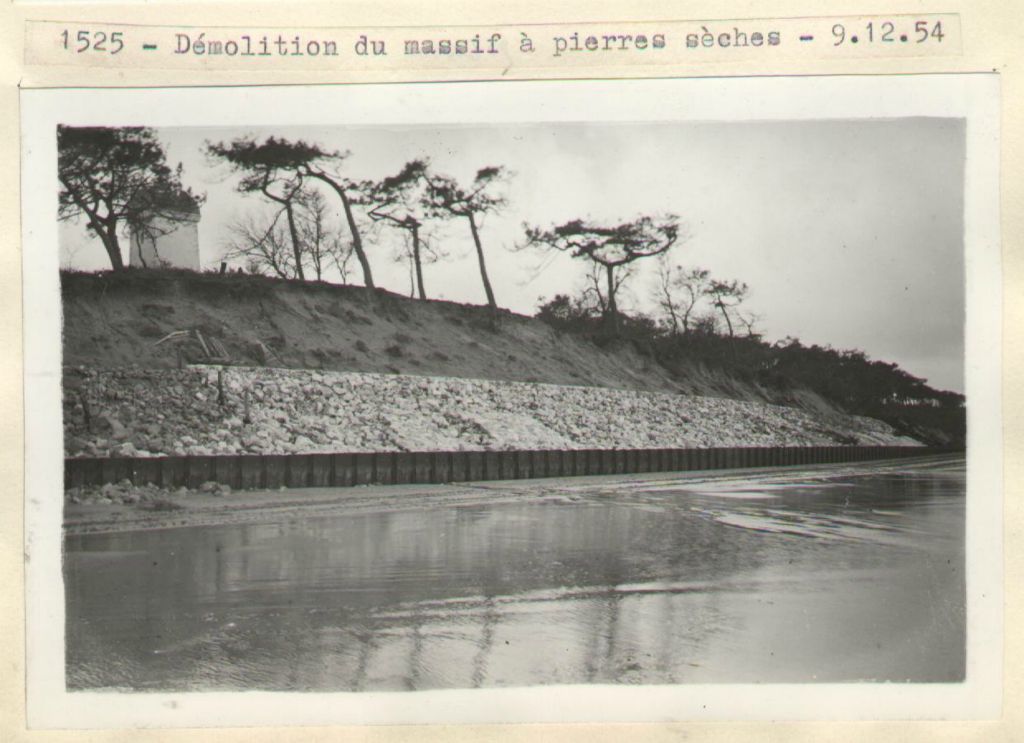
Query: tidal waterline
[[826, 574]]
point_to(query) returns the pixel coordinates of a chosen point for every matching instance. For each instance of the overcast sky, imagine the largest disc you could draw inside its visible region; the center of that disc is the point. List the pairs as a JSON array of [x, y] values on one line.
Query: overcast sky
[[849, 233]]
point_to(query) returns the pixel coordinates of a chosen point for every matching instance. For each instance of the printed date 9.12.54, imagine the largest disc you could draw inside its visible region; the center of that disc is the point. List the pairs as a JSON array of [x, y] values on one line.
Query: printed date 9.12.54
[[888, 32]]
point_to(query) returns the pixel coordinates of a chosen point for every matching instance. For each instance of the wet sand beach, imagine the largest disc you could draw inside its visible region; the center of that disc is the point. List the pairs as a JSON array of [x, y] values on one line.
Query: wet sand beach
[[824, 573]]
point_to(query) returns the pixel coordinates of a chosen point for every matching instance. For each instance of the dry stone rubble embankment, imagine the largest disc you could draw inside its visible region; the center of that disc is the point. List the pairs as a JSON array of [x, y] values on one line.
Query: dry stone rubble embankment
[[203, 410]]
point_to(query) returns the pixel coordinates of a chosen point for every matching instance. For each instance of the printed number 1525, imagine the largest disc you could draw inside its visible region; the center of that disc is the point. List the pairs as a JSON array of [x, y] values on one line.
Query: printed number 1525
[[94, 41]]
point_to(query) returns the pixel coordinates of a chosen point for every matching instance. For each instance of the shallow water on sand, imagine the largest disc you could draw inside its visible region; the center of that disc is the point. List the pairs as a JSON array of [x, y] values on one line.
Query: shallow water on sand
[[835, 574]]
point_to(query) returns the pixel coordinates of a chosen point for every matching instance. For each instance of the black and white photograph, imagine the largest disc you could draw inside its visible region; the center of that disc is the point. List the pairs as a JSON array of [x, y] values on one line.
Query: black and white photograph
[[649, 391]]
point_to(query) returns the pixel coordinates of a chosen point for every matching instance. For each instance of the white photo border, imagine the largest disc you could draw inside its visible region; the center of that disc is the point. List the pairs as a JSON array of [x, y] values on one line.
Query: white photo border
[[973, 97]]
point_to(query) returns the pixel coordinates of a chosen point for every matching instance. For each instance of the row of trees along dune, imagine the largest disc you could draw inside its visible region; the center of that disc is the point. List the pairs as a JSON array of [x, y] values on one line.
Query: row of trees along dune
[[282, 171], [103, 171]]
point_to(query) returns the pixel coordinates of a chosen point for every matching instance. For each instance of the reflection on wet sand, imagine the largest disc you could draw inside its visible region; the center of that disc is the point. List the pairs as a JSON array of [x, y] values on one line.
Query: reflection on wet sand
[[795, 577]]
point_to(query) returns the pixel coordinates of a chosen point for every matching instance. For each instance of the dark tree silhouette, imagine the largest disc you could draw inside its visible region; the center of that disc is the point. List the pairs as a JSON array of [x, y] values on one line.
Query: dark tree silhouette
[[595, 295], [118, 178], [398, 201], [726, 296], [611, 247], [749, 321], [322, 243], [678, 292], [323, 165], [445, 198], [266, 169], [296, 161]]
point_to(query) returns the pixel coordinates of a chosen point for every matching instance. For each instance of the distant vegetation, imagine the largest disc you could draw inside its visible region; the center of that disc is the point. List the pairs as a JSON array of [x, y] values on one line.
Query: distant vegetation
[[846, 378]]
